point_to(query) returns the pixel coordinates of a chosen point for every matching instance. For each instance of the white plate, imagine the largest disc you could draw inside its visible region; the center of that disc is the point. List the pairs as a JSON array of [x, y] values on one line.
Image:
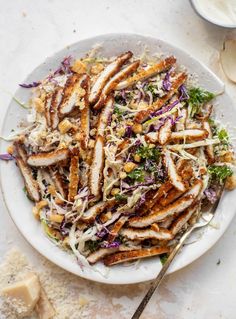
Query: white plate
[[20, 207]]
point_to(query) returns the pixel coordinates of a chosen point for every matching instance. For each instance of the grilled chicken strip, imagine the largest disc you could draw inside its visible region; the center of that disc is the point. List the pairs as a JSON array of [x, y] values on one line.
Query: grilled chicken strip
[[85, 117], [59, 183], [73, 178], [47, 105], [73, 94], [117, 227], [147, 73], [92, 212], [106, 74], [110, 86], [101, 253], [96, 169], [144, 114], [142, 234], [177, 207], [21, 151], [182, 219], [121, 257], [53, 109], [209, 148], [48, 159], [189, 135], [30, 183], [174, 177], [165, 132]]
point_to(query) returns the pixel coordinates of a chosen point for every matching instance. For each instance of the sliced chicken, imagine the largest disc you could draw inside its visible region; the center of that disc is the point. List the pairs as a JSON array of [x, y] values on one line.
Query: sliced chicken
[[125, 256], [47, 106], [73, 177], [153, 197], [53, 110], [92, 212], [165, 131], [209, 148], [157, 215], [142, 234], [189, 135], [110, 86], [106, 74], [152, 137], [117, 227], [105, 116], [144, 114], [171, 196], [96, 169], [180, 124], [174, 177], [85, 117], [59, 183], [30, 183], [20, 150], [101, 253], [148, 73], [73, 94], [48, 159], [166, 222], [182, 220]]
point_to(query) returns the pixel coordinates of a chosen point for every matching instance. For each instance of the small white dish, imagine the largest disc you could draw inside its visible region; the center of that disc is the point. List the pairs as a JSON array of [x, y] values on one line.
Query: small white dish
[[208, 13], [20, 208]]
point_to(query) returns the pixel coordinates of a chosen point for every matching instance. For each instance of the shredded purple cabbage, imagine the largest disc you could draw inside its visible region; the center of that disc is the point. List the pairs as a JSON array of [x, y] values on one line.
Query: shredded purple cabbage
[[30, 85], [65, 66], [166, 84], [128, 131], [183, 93], [111, 245], [211, 195], [102, 233], [165, 109], [6, 157]]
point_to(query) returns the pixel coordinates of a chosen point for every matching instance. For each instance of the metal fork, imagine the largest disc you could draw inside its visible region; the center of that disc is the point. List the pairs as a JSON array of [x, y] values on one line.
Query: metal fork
[[205, 219]]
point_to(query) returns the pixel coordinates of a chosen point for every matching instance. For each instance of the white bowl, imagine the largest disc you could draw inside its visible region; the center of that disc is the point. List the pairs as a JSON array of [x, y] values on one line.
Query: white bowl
[[20, 207], [209, 17]]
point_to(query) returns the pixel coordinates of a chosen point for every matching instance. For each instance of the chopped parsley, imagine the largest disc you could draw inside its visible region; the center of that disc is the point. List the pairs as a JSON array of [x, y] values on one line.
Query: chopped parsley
[[198, 97], [220, 173], [92, 245], [163, 258], [120, 197], [137, 174], [223, 136], [148, 153], [153, 88]]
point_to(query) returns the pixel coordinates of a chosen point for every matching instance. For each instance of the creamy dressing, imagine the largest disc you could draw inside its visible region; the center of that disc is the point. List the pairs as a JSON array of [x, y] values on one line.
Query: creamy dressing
[[218, 11]]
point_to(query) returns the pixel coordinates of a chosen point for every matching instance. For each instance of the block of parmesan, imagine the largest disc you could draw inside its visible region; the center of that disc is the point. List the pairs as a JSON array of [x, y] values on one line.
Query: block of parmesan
[[23, 295]]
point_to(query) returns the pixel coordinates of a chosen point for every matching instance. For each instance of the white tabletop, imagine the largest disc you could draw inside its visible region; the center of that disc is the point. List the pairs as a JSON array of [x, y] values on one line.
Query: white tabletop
[[32, 30]]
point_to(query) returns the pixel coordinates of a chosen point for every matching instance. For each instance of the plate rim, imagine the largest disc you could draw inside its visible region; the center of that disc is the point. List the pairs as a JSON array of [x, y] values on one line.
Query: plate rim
[[95, 39]]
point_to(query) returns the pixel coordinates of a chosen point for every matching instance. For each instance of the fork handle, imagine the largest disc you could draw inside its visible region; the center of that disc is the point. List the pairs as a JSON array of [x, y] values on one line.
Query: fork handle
[[156, 282]]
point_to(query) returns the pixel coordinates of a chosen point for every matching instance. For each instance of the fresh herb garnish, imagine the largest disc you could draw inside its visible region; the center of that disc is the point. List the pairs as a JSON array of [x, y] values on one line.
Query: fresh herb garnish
[[197, 97], [223, 136], [92, 245], [137, 174], [153, 88], [163, 258], [120, 197], [220, 173], [118, 112], [148, 153]]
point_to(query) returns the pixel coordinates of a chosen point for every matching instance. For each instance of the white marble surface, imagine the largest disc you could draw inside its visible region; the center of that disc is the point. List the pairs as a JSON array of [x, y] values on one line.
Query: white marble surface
[[32, 30]]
